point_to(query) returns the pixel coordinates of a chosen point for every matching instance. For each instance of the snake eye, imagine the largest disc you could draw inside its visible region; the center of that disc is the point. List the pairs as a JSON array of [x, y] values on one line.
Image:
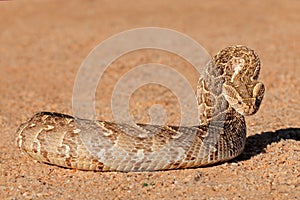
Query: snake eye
[[258, 90]]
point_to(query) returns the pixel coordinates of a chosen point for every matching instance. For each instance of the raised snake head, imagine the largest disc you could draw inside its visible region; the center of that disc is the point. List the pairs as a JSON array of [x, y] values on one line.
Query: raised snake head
[[240, 67]]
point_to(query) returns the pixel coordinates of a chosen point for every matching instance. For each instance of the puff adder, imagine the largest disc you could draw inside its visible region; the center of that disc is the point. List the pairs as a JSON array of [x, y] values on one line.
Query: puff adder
[[227, 91]]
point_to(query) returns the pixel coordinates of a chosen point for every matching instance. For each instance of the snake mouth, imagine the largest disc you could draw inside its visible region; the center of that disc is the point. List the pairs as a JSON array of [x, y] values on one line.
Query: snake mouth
[[249, 111]]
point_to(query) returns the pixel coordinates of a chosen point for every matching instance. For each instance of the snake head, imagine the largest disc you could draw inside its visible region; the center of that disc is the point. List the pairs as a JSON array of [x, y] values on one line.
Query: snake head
[[245, 99], [240, 67]]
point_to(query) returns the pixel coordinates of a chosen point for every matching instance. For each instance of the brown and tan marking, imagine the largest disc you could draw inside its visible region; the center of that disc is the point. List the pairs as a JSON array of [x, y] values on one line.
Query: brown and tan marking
[[227, 91]]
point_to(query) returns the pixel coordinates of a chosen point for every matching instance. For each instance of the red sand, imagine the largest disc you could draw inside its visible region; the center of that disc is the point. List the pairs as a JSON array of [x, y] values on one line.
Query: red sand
[[44, 42]]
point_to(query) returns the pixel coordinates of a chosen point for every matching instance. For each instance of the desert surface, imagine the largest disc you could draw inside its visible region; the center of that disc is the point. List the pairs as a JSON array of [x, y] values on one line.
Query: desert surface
[[43, 44]]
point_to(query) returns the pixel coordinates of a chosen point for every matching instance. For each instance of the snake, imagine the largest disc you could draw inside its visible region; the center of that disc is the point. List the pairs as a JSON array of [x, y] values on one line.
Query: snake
[[227, 91]]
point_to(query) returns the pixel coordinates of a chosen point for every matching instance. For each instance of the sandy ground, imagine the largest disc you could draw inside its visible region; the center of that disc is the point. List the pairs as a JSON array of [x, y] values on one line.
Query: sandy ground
[[44, 42]]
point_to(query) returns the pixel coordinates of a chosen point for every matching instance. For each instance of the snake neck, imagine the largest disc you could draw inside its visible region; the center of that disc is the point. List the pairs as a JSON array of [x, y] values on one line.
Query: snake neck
[[212, 104]]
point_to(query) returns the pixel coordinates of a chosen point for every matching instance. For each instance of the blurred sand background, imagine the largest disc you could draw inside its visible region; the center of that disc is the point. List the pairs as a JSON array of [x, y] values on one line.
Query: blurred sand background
[[43, 43]]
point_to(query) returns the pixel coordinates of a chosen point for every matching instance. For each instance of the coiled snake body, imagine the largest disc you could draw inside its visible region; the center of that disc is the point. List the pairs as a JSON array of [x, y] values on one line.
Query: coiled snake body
[[227, 91]]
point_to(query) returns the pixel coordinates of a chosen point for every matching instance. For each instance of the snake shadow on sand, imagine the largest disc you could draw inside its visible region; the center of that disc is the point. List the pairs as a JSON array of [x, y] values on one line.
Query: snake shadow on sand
[[256, 144]]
